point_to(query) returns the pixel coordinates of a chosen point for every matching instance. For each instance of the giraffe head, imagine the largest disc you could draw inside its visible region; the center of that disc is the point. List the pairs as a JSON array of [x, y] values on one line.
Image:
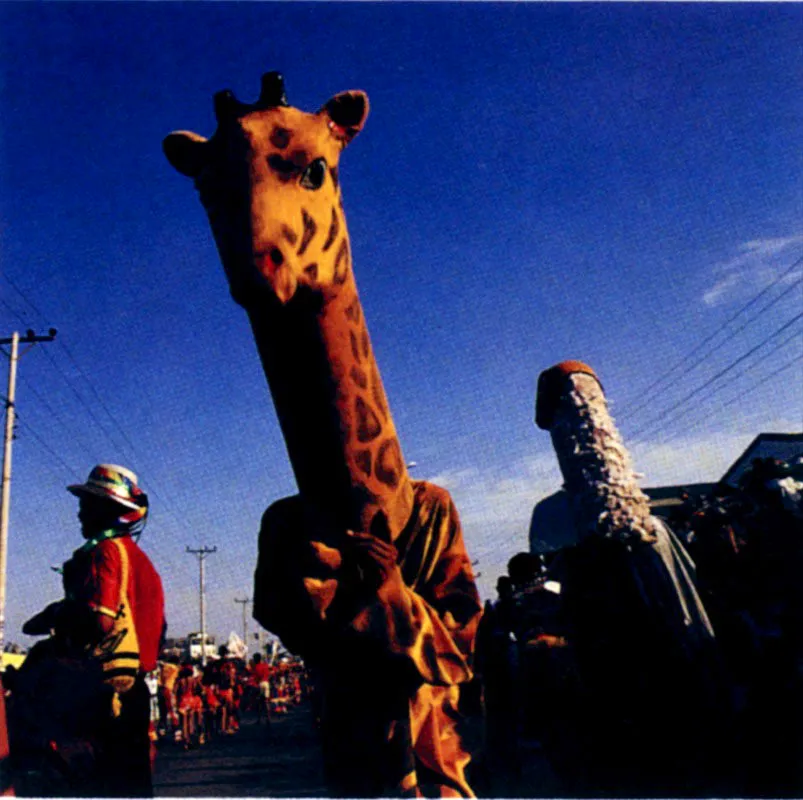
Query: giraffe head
[[268, 179]]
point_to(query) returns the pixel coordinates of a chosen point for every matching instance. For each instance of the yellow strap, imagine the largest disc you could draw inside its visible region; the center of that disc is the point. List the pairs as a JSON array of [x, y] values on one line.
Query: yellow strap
[[124, 579], [109, 612]]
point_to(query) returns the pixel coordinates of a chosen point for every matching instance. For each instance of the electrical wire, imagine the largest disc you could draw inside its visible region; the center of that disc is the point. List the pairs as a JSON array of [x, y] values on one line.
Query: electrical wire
[[779, 346], [627, 410], [763, 381], [57, 416], [14, 312], [738, 330], [684, 412], [69, 470], [115, 444], [662, 416], [23, 295]]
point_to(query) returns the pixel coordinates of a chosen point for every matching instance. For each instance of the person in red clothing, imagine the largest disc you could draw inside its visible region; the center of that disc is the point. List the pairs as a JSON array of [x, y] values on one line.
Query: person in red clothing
[[88, 622], [113, 510], [260, 672]]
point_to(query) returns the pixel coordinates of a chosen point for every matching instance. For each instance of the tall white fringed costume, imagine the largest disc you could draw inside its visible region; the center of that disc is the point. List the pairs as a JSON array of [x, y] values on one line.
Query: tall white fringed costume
[[651, 707]]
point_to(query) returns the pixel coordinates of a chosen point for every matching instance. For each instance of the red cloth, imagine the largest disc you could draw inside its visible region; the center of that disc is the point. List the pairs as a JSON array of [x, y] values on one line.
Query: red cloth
[[261, 672], [95, 580]]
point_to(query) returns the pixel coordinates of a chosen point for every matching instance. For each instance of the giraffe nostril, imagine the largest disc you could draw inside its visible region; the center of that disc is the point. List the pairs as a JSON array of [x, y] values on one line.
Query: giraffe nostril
[[276, 256]]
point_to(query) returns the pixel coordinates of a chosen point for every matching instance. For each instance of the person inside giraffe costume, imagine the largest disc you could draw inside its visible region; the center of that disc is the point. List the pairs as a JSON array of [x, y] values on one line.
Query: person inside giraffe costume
[[649, 711], [364, 573]]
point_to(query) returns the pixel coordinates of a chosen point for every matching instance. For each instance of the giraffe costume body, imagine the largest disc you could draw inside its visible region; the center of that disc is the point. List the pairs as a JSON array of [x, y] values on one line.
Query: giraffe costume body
[[392, 644]]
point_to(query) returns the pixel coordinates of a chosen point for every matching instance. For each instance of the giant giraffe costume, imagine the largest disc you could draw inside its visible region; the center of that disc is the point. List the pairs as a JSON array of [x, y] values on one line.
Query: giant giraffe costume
[[651, 715], [364, 572]]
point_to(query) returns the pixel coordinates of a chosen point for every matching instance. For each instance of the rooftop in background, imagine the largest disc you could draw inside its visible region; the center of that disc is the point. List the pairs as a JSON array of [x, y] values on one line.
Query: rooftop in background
[[783, 446], [663, 498]]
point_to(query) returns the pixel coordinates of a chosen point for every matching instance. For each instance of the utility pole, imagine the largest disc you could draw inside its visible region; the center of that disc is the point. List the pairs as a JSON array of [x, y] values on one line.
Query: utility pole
[[30, 338], [244, 603], [202, 553]]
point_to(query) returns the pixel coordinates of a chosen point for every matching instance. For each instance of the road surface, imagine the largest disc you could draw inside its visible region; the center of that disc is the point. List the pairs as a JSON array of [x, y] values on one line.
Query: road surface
[[284, 762]]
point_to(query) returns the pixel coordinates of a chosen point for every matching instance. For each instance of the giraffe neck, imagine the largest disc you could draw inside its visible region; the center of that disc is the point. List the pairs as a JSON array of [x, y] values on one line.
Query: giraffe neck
[[332, 408]]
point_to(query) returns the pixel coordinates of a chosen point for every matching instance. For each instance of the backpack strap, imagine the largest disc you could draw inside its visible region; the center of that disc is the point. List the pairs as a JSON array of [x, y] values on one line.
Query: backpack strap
[[119, 652]]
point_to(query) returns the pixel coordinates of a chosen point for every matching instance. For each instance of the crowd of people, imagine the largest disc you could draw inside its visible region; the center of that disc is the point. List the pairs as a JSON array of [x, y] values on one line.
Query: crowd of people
[[194, 703], [578, 657], [747, 545]]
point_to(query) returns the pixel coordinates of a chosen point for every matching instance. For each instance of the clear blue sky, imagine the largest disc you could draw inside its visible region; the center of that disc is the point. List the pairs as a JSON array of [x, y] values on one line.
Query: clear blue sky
[[610, 182]]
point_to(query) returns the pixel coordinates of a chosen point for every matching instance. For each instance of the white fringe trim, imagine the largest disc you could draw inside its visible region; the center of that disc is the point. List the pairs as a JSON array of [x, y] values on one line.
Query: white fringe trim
[[597, 471]]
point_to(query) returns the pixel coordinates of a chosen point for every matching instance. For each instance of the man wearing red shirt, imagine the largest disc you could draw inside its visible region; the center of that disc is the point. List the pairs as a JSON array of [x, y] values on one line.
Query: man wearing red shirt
[[260, 673], [112, 509]]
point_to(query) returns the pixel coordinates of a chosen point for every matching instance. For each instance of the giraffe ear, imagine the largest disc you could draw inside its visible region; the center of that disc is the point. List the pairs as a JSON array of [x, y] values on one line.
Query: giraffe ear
[[347, 113], [186, 151]]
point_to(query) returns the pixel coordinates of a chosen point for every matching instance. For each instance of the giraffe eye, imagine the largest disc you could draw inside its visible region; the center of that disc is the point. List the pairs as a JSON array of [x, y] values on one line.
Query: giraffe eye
[[314, 175]]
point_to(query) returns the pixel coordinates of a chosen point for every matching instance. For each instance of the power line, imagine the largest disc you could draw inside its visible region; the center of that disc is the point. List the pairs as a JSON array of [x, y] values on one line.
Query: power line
[[82, 400], [14, 313], [786, 366], [98, 397], [132, 451], [58, 417], [627, 410], [738, 330], [684, 412], [690, 409], [779, 346], [24, 296], [83, 375], [45, 446], [661, 417]]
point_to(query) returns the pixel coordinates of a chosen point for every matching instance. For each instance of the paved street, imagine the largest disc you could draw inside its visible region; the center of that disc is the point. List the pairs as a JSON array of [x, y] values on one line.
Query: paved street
[[251, 763]]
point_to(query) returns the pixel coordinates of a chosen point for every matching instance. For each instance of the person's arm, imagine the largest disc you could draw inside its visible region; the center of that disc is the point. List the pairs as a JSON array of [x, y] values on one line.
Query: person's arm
[[430, 632], [292, 586], [96, 602]]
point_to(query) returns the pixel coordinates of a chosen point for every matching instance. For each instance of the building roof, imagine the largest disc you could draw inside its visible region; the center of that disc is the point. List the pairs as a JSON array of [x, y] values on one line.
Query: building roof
[[666, 496], [783, 446]]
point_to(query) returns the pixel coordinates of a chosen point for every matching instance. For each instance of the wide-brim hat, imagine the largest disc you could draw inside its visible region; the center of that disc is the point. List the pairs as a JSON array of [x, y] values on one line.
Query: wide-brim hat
[[110, 482], [552, 383]]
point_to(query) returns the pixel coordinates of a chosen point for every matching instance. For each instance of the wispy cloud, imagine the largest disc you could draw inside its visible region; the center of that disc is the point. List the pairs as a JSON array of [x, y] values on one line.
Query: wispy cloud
[[756, 263], [690, 459]]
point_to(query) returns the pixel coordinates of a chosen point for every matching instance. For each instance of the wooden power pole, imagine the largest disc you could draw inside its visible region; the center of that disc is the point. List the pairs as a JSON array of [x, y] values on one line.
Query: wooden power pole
[[14, 340], [202, 553]]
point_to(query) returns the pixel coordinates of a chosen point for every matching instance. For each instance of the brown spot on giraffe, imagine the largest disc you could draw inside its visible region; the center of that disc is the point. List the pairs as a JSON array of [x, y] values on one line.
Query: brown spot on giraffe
[[309, 231], [388, 467], [280, 137], [368, 424], [289, 234], [363, 459], [353, 311], [285, 169], [359, 377], [366, 344], [333, 171], [378, 394], [355, 346], [311, 271], [342, 263], [334, 228], [300, 158]]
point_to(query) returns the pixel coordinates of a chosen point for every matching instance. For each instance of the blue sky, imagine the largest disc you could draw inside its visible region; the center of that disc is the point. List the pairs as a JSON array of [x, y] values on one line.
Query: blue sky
[[610, 182]]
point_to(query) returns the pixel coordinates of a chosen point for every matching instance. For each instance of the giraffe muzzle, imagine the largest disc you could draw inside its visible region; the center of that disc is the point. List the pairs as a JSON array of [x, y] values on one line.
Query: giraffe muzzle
[[273, 265]]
